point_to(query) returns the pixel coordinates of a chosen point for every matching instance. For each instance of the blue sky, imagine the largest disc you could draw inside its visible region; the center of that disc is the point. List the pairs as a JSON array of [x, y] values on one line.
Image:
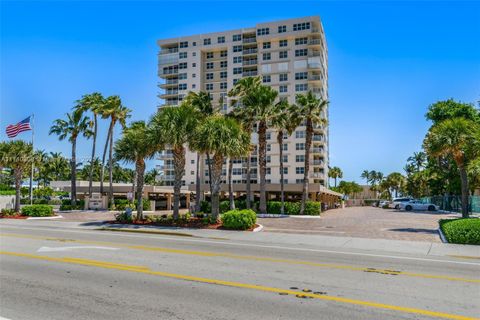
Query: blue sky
[[387, 62]]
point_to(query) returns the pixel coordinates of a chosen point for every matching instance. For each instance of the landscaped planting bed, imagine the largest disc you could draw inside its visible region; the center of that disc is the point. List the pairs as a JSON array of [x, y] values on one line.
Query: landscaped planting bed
[[461, 231]]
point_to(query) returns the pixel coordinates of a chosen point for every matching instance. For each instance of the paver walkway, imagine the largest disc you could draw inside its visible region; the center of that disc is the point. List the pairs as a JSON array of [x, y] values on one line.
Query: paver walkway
[[363, 222]]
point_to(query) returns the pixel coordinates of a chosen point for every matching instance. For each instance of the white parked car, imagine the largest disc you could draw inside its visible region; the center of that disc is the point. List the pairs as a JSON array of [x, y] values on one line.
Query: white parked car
[[383, 203], [418, 205], [396, 202]]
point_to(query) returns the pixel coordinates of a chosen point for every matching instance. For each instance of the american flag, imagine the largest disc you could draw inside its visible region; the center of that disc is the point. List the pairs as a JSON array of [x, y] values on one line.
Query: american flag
[[14, 129]]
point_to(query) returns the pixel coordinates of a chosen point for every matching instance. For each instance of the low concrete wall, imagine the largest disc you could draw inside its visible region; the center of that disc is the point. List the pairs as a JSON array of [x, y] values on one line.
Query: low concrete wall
[[7, 202]]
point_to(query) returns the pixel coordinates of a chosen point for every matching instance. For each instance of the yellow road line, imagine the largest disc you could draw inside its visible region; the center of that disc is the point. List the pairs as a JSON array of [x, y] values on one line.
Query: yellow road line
[[253, 258], [144, 270]]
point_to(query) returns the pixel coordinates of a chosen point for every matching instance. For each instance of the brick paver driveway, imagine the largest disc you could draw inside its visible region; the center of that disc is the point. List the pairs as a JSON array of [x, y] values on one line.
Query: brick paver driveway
[[363, 222]]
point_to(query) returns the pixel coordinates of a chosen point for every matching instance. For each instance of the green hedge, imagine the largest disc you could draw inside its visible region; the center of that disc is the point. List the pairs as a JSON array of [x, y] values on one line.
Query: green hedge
[[461, 231], [293, 208], [239, 219], [7, 192], [37, 210], [121, 204], [312, 208]]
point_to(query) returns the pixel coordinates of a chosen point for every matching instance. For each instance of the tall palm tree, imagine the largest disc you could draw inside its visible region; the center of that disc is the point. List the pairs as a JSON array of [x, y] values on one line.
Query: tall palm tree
[[365, 175], [418, 159], [460, 139], [312, 111], [221, 137], [243, 98], [58, 166], [203, 103], [134, 148], [174, 127], [17, 156], [74, 126], [117, 113], [94, 103], [335, 173], [285, 121]]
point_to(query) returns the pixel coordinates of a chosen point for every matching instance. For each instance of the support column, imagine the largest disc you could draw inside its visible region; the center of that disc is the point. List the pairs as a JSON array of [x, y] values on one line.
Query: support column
[[169, 201], [187, 201]]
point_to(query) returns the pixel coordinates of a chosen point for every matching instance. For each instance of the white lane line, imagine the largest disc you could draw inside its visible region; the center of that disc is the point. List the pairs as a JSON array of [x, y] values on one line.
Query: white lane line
[[57, 249], [176, 239]]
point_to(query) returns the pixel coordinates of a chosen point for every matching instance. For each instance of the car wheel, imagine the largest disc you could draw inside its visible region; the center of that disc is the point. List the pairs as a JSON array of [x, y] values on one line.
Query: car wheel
[[431, 208], [408, 208], [397, 206]]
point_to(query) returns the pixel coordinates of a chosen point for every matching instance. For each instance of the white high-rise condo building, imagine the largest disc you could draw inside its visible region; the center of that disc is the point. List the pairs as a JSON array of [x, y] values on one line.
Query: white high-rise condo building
[[289, 55]]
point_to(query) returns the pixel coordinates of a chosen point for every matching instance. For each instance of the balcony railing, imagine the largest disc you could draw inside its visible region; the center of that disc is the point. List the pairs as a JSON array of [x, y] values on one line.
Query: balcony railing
[[252, 176], [169, 177], [250, 51], [165, 154], [317, 150], [166, 166], [315, 30], [314, 41], [316, 90], [170, 92], [252, 164], [250, 73], [317, 138], [249, 40], [250, 62], [317, 162], [316, 175], [169, 51], [169, 71], [314, 65], [314, 54], [315, 77]]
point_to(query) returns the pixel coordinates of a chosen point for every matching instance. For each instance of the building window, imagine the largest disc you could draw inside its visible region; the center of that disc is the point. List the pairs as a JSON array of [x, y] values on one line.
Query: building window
[[235, 81], [237, 59], [237, 37], [269, 159], [194, 75], [194, 54], [182, 86], [223, 74], [301, 26], [299, 146], [283, 77], [267, 56], [300, 134], [300, 170], [223, 53], [223, 64], [299, 181], [283, 54], [194, 65], [267, 45], [194, 43], [209, 55], [268, 170], [209, 86], [237, 48], [282, 29], [283, 89], [209, 76], [182, 65], [300, 158], [182, 76], [223, 85], [194, 86], [285, 146], [209, 65], [301, 87], [207, 41], [237, 70], [267, 79], [285, 158], [301, 75], [221, 39], [182, 55], [237, 171], [283, 43], [263, 31], [301, 52], [269, 135], [184, 44], [301, 41], [269, 147], [285, 170]]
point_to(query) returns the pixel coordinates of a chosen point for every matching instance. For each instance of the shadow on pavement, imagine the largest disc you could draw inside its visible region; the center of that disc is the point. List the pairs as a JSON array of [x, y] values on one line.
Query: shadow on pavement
[[415, 230]]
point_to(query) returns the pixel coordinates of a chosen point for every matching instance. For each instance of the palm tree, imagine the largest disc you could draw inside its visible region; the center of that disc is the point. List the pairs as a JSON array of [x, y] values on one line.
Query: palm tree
[[258, 101], [418, 160], [58, 166], [151, 177], [335, 173], [174, 126], [242, 95], [16, 155], [396, 181], [94, 103], [286, 120], [460, 139], [365, 175], [117, 113], [311, 109], [221, 137], [76, 125], [203, 103], [134, 148]]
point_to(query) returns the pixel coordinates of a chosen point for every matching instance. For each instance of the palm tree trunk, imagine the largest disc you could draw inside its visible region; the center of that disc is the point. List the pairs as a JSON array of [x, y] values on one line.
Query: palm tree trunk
[[197, 186], [335, 182], [135, 179], [209, 172], [464, 187], [140, 173], [308, 144], [18, 187], [282, 192], [262, 151], [110, 171], [230, 184], [104, 156], [216, 181], [73, 164], [90, 179], [249, 187], [179, 170]]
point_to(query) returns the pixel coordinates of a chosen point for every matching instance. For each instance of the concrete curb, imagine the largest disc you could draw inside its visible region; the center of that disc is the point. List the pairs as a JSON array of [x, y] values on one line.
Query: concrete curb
[[258, 229], [45, 218], [272, 215], [442, 236], [180, 234]]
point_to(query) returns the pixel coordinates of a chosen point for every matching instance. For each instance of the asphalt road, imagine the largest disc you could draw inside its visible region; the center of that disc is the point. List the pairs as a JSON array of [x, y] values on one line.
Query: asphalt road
[[50, 273]]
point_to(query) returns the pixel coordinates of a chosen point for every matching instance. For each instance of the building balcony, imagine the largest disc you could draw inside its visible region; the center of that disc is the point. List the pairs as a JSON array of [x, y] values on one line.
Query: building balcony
[[169, 177], [314, 54], [169, 83], [252, 176], [315, 30], [249, 40], [166, 167], [314, 77], [314, 42], [165, 155], [250, 73], [315, 90], [169, 93], [252, 164], [168, 51], [316, 175], [317, 162], [250, 51], [317, 138], [314, 65], [317, 150], [166, 72], [249, 62]]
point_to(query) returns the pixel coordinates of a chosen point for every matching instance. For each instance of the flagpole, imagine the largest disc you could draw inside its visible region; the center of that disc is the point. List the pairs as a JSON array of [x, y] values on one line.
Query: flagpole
[[33, 160]]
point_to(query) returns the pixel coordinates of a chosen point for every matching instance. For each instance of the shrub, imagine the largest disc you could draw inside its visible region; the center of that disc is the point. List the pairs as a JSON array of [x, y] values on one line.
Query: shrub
[[146, 204], [123, 217], [292, 208], [55, 202], [40, 201], [205, 206], [7, 192], [274, 207], [461, 231], [8, 212], [224, 206], [37, 210], [239, 219], [312, 208], [4, 187]]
